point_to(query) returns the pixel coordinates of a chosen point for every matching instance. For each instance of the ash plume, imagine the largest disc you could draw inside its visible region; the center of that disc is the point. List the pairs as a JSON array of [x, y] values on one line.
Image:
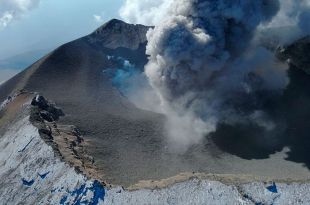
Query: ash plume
[[207, 69]]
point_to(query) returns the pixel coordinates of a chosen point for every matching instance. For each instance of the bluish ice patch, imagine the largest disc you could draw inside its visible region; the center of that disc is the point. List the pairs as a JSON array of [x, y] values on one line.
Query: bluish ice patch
[[86, 202], [78, 194], [96, 188], [43, 176], [25, 147], [273, 188], [63, 200], [99, 192], [27, 183]]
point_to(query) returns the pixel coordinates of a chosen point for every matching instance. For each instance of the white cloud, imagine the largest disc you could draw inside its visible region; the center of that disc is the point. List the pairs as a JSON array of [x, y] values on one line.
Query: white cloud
[[5, 19], [147, 12], [14, 9], [98, 18]]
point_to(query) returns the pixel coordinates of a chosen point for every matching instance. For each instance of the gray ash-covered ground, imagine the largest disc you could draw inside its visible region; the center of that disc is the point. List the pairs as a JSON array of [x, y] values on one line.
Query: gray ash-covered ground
[[129, 144]]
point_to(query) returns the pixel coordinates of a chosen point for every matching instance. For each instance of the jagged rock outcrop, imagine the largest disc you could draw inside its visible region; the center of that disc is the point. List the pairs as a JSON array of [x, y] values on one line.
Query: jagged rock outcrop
[[111, 35], [66, 140], [31, 171], [47, 111]]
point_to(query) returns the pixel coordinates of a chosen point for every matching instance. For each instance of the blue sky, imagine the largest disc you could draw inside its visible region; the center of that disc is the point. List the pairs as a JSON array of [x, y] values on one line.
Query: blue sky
[[30, 29], [54, 22]]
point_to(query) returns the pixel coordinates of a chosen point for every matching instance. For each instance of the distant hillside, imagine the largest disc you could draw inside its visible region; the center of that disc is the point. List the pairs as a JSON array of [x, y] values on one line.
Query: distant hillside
[[23, 60], [6, 74]]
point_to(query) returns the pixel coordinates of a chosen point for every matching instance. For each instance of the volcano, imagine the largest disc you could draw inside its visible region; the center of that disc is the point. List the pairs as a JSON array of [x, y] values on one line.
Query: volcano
[[105, 136]]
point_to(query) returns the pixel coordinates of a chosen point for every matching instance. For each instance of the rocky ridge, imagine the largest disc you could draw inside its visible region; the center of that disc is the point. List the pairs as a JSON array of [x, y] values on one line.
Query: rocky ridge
[[66, 140], [111, 35]]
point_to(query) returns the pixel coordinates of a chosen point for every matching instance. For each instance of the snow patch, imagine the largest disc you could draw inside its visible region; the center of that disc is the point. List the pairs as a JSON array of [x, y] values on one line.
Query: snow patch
[[31, 174], [6, 102]]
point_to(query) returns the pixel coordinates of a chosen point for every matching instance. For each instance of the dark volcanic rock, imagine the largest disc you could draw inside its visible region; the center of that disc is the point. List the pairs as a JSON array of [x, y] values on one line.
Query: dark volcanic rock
[[47, 116], [47, 111], [291, 111], [111, 35], [40, 102], [298, 54]]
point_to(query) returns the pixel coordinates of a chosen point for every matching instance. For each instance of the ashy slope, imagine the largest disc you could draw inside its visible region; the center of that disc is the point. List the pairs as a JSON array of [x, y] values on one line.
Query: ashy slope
[[127, 144], [32, 172], [72, 76]]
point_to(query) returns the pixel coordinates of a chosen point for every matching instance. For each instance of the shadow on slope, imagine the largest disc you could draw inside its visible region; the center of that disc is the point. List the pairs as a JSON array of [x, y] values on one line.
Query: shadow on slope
[[291, 111]]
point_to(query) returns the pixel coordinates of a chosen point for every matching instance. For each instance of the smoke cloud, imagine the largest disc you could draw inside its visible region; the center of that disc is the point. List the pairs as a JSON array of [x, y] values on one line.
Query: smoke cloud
[[207, 69], [14, 9], [147, 12]]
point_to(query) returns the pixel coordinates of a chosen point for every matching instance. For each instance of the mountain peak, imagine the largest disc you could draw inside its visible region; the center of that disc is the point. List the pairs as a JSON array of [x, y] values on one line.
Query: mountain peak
[[112, 23], [116, 33]]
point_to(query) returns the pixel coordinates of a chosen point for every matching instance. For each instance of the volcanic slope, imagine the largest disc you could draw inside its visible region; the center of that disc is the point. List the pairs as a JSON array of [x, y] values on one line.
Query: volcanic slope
[[129, 144]]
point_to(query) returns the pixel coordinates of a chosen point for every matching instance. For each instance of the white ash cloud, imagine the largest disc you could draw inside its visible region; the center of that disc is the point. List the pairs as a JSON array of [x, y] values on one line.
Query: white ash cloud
[[14, 9], [293, 17], [204, 65], [98, 18], [147, 12]]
